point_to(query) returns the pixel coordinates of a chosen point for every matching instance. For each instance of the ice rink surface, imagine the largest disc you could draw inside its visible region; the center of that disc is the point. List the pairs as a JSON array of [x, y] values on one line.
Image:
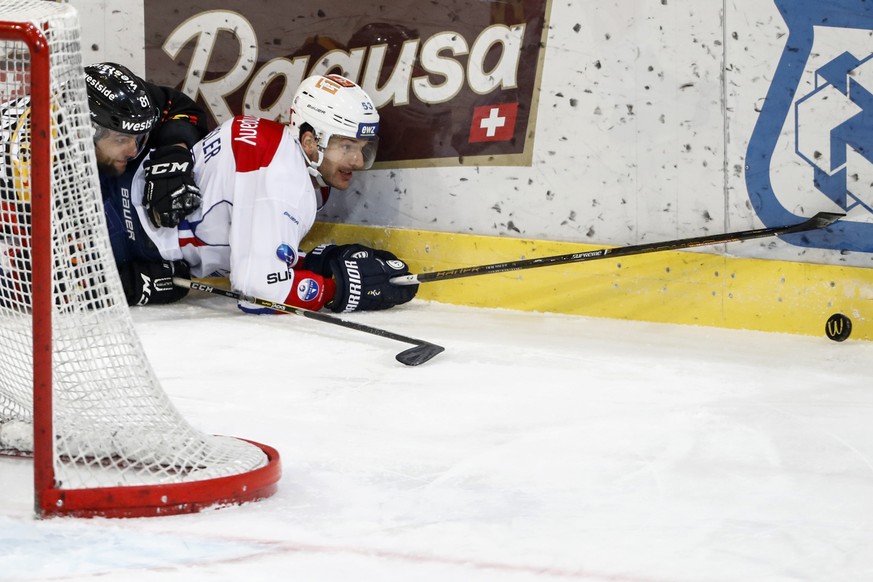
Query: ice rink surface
[[537, 447]]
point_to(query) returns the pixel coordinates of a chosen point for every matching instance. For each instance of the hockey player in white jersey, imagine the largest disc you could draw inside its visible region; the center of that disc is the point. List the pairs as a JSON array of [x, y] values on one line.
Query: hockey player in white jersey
[[261, 184]]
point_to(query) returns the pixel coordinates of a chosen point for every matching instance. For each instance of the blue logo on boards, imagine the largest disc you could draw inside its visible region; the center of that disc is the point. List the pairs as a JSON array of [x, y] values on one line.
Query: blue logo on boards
[[825, 95]]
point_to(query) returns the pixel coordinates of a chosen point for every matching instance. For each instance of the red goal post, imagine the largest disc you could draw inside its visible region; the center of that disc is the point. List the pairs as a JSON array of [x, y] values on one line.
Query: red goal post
[[77, 393]]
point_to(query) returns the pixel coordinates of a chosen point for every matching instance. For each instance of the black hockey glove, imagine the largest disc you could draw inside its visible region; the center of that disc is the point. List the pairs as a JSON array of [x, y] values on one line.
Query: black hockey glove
[[361, 276], [170, 191], [151, 283]]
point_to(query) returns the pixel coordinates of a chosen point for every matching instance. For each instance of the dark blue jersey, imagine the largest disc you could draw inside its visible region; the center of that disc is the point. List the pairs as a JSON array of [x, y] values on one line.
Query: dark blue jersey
[[181, 121], [126, 235]]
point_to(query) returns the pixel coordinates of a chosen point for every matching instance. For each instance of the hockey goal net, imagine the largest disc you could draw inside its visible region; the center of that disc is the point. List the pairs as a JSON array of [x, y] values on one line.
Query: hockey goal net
[[77, 392]]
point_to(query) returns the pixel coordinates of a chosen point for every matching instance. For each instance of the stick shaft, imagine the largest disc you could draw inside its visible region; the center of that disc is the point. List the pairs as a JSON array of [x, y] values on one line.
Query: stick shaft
[[820, 220], [429, 348]]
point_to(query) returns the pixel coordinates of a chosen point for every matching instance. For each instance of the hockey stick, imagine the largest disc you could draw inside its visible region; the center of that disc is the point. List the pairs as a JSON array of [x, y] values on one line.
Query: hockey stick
[[421, 353], [820, 220]]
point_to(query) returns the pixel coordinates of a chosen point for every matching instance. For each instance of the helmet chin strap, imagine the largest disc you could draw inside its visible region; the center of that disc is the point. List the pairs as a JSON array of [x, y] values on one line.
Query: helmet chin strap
[[313, 171], [314, 165]]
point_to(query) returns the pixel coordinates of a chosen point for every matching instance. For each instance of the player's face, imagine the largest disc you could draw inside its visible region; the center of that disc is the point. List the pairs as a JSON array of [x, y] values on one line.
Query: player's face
[[114, 149], [342, 157]]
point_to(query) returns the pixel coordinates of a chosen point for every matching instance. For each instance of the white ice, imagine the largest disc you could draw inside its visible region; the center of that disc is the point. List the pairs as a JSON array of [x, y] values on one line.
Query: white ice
[[537, 447]]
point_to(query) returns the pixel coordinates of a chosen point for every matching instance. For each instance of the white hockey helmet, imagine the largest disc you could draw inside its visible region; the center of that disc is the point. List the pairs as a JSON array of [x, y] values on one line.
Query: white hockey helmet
[[333, 105]]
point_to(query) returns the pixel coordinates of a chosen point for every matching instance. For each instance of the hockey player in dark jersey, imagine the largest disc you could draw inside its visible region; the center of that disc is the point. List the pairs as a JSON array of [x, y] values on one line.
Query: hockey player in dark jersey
[[130, 118]]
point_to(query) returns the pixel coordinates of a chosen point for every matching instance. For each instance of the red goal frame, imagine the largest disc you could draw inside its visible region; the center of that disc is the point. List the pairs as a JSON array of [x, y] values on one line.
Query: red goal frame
[[122, 501]]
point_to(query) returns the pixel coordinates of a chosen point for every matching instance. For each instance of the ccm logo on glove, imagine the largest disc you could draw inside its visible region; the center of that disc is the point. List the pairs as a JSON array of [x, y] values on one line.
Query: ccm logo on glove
[[170, 192], [166, 167]]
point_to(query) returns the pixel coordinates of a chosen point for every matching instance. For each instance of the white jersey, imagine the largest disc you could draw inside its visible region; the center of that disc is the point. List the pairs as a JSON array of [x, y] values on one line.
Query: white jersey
[[258, 202]]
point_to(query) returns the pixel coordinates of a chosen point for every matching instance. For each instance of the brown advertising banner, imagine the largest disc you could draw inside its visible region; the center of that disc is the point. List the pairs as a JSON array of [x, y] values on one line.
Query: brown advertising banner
[[456, 82]]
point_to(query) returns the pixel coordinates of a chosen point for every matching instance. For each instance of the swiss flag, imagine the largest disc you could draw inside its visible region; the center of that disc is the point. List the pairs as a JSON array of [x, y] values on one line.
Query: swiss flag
[[493, 122]]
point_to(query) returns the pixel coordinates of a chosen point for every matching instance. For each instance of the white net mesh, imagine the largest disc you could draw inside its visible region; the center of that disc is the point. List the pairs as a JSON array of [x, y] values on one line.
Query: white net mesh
[[113, 423]]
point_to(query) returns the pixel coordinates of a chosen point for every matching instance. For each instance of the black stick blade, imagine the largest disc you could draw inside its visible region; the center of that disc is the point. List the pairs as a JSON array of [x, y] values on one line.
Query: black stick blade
[[823, 219], [419, 354], [820, 220]]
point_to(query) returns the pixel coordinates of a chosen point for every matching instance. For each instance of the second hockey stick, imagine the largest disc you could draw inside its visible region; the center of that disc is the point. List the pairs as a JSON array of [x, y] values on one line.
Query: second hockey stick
[[419, 354], [820, 220]]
